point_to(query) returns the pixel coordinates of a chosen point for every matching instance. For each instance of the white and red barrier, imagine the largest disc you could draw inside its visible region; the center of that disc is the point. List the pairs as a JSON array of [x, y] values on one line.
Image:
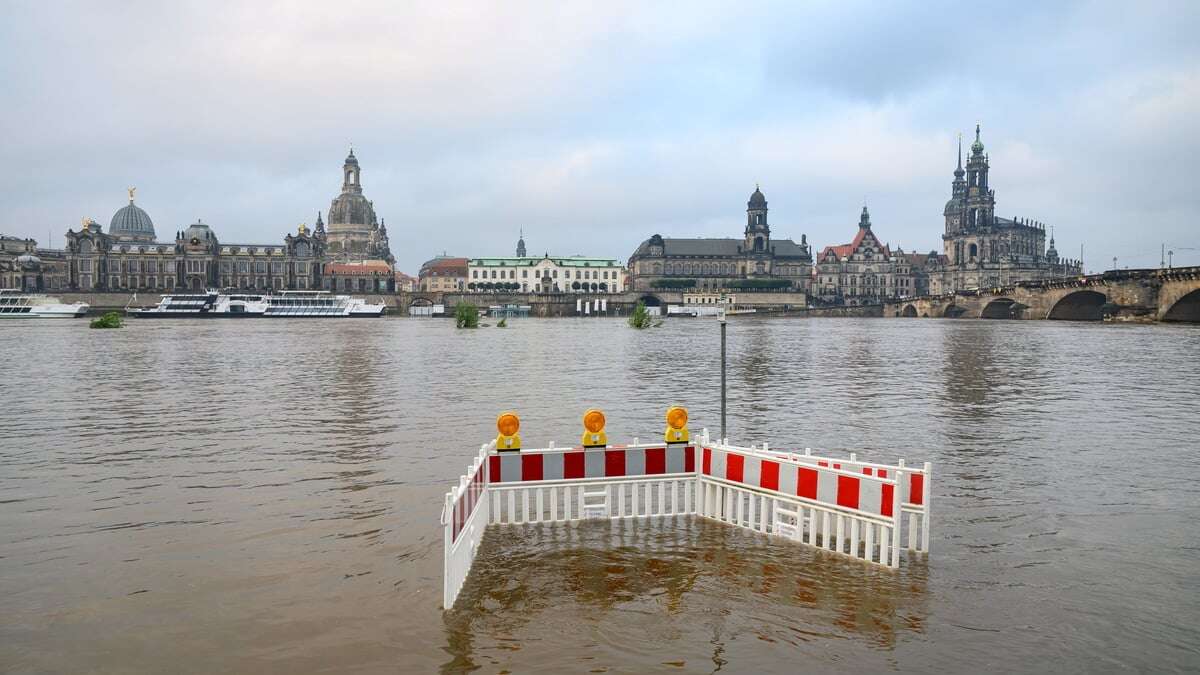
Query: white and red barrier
[[850, 507]]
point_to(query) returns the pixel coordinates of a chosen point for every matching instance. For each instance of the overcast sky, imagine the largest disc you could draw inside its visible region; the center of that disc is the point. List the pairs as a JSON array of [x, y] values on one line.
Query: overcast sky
[[594, 125]]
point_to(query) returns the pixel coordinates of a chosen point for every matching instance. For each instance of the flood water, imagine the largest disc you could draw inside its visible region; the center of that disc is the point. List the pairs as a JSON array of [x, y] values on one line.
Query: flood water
[[263, 496]]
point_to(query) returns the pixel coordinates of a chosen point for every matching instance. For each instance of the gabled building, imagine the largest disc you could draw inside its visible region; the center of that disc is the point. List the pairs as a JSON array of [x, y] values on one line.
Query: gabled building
[[865, 271]]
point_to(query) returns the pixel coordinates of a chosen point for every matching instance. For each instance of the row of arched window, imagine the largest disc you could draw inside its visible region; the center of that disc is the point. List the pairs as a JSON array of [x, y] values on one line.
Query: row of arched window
[[694, 269]]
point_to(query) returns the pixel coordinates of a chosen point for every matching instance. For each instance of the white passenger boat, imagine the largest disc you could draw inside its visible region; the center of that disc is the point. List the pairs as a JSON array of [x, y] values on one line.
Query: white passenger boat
[[234, 305], [16, 304]]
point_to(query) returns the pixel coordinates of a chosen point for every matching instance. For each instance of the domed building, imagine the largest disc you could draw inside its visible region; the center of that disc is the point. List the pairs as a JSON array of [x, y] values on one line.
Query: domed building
[[128, 259], [131, 223], [26, 267], [354, 233]]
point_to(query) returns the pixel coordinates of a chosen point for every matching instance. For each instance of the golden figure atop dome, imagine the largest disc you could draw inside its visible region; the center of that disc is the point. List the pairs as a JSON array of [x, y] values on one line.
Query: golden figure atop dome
[[131, 191], [303, 229]]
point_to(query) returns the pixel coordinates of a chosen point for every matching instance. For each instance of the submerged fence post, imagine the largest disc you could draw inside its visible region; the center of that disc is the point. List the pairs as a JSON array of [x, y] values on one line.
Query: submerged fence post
[[721, 317], [926, 492]]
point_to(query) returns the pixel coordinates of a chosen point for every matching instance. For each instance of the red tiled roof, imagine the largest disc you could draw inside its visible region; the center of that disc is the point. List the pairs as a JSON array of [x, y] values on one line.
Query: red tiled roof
[[444, 264], [846, 249]]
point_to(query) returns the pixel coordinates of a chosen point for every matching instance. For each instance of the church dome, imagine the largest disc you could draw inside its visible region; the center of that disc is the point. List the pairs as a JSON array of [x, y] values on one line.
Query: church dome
[[757, 200], [131, 223], [952, 207], [198, 231]]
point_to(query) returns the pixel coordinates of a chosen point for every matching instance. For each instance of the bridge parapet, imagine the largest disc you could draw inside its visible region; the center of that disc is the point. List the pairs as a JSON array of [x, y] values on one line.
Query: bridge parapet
[[1117, 295]]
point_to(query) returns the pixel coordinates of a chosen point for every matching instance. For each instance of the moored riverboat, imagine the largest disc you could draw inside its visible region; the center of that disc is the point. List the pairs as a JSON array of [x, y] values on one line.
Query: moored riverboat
[[232, 305], [16, 304]]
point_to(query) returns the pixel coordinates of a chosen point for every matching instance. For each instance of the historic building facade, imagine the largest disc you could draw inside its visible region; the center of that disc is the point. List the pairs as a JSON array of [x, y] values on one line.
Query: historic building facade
[[865, 271], [25, 267], [444, 274], [982, 249], [354, 232], [548, 274], [128, 257], [754, 261]]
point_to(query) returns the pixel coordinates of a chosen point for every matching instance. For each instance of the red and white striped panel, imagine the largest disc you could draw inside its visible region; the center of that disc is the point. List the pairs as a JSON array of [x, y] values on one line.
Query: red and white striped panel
[[513, 467], [869, 494], [467, 502], [912, 491]]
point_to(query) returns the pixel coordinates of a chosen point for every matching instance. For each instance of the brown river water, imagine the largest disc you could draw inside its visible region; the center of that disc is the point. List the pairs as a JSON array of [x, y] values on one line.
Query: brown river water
[[263, 497]]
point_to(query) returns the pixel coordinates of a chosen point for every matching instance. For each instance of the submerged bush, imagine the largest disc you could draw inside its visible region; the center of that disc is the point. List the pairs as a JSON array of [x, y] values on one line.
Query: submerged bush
[[466, 315], [640, 317], [109, 320]]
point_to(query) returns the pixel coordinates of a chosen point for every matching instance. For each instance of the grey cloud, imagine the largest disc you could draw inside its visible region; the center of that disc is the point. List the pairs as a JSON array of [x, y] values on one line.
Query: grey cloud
[[594, 126]]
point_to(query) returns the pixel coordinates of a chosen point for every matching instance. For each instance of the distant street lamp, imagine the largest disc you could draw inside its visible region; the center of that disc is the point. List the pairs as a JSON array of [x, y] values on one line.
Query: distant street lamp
[[1170, 259], [1114, 263]]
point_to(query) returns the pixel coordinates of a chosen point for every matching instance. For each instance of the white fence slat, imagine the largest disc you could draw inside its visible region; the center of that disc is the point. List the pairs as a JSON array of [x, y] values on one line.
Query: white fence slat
[[870, 541], [926, 493]]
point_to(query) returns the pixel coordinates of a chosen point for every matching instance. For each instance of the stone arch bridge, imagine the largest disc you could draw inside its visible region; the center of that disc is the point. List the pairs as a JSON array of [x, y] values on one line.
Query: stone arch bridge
[[1125, 295]]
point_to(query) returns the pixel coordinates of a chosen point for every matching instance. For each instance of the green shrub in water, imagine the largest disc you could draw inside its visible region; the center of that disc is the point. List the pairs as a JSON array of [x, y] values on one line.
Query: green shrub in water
[[466, 315], [640, 317], [109, 320]]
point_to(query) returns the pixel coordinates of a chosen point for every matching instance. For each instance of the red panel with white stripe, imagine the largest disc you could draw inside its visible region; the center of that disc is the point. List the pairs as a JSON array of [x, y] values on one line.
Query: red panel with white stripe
[[819, 482]]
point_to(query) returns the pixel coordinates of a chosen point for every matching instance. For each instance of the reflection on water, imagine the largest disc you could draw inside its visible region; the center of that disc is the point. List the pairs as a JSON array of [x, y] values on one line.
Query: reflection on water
[[263, 497], [639, 587]]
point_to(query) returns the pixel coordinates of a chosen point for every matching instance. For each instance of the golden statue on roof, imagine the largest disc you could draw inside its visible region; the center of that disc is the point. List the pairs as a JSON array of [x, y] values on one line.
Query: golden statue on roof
[[131, 191], [303, 229]]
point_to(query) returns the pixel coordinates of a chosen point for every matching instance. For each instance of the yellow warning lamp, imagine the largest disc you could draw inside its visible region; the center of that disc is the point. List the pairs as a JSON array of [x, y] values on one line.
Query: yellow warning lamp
[[593, 429], [507, 424], [677, 425]]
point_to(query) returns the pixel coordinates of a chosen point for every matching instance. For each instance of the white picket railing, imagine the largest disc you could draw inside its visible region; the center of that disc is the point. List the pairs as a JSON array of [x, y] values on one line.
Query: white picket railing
[[858, 509], [916, 490], [465, 516], [560, 501]]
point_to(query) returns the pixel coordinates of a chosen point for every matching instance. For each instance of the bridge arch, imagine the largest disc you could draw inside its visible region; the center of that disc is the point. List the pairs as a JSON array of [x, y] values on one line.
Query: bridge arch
[[1186, 308], [650, 300], [1082, 305], [421, 301], [1002, 308], [952, 311], [909, 311]]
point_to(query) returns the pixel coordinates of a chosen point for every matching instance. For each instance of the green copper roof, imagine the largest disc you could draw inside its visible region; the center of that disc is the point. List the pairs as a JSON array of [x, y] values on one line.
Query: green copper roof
[[571, 261]]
